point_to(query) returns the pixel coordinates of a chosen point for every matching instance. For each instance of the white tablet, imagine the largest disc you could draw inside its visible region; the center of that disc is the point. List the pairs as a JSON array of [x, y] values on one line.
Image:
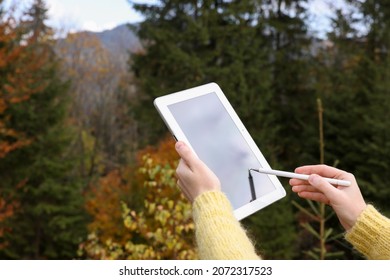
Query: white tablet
[[203, 118]]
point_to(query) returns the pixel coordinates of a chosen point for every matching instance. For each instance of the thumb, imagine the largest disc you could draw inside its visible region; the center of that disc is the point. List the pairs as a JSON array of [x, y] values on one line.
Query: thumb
[[322, 185], [186, 153]]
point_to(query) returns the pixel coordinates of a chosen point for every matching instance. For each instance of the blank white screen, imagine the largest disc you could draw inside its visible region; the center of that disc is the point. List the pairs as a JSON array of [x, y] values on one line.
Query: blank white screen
[[220, 144]]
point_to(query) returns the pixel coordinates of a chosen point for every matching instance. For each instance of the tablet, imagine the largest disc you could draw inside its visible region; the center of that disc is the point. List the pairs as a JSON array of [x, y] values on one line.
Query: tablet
[[203, 118]]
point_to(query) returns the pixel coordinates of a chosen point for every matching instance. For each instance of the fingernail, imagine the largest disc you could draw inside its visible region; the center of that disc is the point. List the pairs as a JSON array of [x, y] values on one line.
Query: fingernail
[[179, 145]]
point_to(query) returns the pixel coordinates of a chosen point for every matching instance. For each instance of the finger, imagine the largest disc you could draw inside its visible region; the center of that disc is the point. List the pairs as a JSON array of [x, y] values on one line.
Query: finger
[[320, 169], [315, 196], [184, 190], [186, 154], [181, 168], [304, 188], [297, 182], [322, 185]]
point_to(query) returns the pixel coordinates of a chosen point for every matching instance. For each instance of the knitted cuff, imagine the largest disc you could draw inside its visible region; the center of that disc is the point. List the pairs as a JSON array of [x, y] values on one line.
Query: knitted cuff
[[365, 234]]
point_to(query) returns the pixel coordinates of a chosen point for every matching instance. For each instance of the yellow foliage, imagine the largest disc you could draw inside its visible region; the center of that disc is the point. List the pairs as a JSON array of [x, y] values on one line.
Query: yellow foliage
[[163, 228]]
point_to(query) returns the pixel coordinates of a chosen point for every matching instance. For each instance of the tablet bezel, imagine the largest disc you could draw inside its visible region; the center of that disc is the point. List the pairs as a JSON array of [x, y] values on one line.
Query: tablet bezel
[[162, 103]]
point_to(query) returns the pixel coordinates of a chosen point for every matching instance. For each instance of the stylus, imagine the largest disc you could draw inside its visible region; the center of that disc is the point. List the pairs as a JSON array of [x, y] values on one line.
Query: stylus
[[300, 176]]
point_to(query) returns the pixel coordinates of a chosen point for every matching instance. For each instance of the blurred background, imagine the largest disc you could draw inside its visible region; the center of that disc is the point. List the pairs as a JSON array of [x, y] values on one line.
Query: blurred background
[[87, 166]]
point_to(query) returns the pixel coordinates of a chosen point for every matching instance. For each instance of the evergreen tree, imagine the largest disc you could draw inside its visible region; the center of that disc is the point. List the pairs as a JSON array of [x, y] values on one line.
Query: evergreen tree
[[293, 96], [373, 72], [50, 221], [359, 99]]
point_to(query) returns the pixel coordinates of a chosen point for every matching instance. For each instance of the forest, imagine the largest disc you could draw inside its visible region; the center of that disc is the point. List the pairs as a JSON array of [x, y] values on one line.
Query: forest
[[87, 167]]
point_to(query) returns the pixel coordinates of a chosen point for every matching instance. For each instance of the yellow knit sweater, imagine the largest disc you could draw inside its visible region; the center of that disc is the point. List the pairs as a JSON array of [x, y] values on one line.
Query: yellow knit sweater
[[220, 236], [371, 234]]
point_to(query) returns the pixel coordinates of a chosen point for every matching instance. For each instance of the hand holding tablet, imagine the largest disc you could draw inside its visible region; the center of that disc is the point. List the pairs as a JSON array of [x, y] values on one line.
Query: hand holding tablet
[[194, 177]]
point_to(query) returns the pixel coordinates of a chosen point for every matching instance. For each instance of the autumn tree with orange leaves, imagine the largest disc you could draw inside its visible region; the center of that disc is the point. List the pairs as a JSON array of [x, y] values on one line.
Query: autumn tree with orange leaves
[[18, 70], [15, 66]]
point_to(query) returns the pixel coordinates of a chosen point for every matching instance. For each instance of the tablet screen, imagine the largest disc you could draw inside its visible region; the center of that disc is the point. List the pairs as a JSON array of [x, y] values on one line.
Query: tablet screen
[[220, 144]]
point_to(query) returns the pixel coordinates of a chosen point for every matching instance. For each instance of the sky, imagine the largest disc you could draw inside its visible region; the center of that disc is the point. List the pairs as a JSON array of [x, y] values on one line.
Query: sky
[[98, 15], [92, 15]]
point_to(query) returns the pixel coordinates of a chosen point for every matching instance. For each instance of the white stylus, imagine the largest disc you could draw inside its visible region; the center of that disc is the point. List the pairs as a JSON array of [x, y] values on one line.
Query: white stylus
[[301, 176]]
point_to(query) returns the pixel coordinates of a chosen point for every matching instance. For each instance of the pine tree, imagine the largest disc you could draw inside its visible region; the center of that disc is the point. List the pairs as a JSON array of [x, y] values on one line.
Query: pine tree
[[50, 221], [359, 99], [374, 73], [293, 95]]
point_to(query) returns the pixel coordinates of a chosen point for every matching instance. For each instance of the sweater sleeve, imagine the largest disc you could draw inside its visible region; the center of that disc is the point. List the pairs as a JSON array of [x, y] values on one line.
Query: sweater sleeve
[[218, 233], [371, 234]]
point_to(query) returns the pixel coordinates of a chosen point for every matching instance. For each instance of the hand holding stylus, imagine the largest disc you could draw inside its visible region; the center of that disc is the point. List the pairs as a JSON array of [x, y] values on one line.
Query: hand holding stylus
[[347, 202], [332, 181]]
